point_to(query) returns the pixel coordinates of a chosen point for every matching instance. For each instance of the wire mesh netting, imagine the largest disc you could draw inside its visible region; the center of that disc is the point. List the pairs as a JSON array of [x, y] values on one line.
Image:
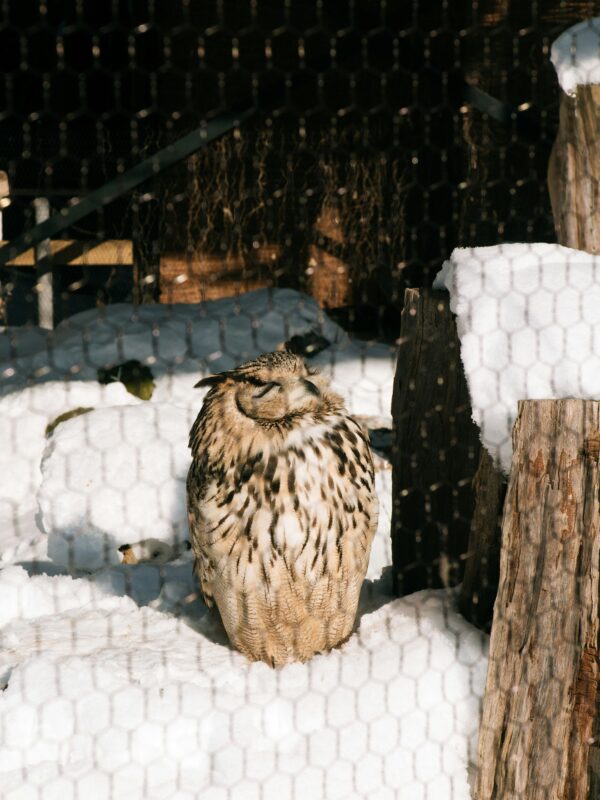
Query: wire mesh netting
[[185, 187]]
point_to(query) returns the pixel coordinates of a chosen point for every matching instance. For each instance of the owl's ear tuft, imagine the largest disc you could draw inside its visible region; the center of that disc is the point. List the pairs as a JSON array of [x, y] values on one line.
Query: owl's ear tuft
[[211, 380]]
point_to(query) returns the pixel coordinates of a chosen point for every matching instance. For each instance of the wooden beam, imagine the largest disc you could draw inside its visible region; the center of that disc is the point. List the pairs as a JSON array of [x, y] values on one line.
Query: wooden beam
[[76, 253], [140, 173], [540, 697]]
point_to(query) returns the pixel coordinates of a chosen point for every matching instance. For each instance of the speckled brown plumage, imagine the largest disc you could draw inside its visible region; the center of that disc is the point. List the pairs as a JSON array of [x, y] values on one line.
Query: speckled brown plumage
[[282, 508]]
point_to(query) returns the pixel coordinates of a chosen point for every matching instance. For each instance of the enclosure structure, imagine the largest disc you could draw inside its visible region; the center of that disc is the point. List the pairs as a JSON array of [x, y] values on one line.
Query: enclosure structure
[[539, 724], [189, 185]]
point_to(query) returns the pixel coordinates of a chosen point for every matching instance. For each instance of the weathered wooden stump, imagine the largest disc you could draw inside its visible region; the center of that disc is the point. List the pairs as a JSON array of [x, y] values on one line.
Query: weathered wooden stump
[[540, 699], [436, 448], [574, 171], [574, 187]]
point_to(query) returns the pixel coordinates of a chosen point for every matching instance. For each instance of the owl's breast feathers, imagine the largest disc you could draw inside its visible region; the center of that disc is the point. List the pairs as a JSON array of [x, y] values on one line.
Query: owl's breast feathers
[[282, 533]]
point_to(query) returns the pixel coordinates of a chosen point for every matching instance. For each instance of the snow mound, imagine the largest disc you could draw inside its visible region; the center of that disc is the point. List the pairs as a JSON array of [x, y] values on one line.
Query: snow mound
[[45, 374], [528, 318], [117, 476], [111, 477], [576, 55], [26, 599], [119, 683], [24, 415], [210, 336], [137, 703]]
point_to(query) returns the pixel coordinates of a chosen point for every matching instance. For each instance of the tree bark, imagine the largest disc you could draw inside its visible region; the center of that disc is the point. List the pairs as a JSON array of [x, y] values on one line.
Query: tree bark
[[573, 184], [436, 448], [574, 171], [540, 699], [480, 583]]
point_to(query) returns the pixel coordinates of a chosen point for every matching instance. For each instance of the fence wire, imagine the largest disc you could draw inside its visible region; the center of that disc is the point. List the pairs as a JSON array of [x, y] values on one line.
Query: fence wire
[[368, 141]]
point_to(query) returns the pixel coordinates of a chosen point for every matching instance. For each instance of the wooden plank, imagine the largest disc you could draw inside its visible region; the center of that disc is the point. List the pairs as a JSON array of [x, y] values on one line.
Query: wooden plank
[[194, 278], [76, 253], [436, 448], [540, 697]]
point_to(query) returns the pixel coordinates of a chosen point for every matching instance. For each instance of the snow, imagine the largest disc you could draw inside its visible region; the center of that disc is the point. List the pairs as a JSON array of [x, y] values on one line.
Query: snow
[[104, 693], [116, 476], [115, 680], [45, 374], [120, 684], [24, 413], [576, 55], [528, 318], [111, 477]]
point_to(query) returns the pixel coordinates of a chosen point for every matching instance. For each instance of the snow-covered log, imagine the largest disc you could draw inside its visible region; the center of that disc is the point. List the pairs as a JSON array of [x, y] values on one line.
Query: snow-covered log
[[574, 167], [537, 724], [573, 180]]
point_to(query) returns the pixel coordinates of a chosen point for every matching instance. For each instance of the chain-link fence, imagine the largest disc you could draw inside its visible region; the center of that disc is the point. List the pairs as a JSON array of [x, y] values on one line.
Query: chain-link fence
[[186, 186]]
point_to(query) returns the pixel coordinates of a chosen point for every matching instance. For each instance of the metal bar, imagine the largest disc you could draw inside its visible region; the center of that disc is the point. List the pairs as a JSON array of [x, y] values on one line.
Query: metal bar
[[152, 166]]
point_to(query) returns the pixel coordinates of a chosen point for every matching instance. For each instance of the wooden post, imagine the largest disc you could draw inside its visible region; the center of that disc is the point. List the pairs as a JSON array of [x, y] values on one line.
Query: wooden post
[[4, 199], [436, 447], [574, 171], [573, 181], [43, 263], [540, 698]]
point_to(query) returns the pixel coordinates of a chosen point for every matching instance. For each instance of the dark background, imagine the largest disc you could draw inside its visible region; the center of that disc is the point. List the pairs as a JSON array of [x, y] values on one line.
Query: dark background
[[344, 90]]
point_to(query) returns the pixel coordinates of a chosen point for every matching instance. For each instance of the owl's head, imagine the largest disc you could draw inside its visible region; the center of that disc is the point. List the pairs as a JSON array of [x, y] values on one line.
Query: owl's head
[[276, 387]]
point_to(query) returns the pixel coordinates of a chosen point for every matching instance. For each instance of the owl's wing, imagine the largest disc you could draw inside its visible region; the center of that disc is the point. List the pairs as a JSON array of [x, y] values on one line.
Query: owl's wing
[[204, 568], [205, 571]]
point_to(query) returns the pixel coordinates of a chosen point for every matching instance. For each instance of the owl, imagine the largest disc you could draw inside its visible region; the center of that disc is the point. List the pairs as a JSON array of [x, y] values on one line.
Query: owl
[[282, 508]]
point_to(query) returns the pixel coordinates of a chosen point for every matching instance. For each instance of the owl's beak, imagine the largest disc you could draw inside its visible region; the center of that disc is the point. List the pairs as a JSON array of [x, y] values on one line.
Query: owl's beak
[[129, 557]]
